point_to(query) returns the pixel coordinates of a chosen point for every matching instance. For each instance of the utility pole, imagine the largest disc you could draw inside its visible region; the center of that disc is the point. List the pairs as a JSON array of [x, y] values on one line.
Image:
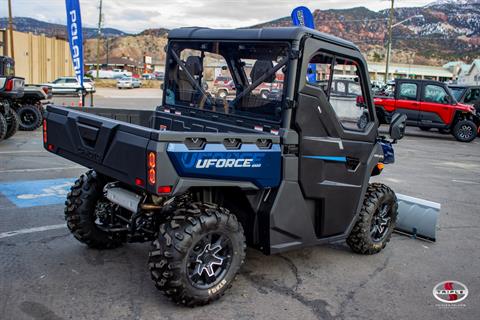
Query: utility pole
[[10, 28], [389, 45], [98, 37]]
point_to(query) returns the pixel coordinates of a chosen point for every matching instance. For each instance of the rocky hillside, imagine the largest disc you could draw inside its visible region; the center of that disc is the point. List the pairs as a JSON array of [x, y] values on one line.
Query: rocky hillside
[[131, 46], [447, 30], [25, 24]]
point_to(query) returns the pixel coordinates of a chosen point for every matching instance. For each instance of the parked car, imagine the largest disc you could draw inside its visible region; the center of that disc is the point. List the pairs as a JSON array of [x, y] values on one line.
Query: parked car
[[467, 94], [265, 88], [148, 76], [110, 74], [128, 83], [429, 104], [69, 85], [223, 86], [159, 75]]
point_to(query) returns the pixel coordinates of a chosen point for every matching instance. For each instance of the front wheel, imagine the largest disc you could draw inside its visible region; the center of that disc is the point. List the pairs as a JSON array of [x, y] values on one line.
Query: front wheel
[[222, 94], [465, 131], [376, 221], [197, 254]]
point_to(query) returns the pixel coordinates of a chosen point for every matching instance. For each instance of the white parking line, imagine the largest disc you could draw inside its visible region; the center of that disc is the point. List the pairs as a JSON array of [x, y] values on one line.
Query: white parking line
[[22, 151], [31, 230], [466, 181], [41, 169]]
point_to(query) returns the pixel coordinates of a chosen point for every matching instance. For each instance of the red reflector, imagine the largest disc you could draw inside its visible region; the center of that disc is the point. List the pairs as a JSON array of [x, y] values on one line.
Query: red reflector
[[44, 131], [164, 189], [151, 176], [152, 161], [51, 147], [9, 85], [139, 182]]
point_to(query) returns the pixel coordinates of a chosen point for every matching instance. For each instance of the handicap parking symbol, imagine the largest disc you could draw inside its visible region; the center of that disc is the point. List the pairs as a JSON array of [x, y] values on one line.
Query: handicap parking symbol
[[26, 194]]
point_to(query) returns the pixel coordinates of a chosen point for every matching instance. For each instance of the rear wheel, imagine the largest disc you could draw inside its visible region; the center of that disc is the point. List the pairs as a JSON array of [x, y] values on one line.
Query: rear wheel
[[197, 254], [3, 127], [465, 130], [12, 123], [30, 117], [87, 209], [376, 222]]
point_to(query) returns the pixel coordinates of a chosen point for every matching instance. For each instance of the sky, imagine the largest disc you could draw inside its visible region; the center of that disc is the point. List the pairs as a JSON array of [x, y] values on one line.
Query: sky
[[137, 15]]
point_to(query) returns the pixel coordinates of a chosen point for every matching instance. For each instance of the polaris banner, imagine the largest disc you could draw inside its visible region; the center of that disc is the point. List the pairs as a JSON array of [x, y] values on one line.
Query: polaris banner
[[75, 37], [303, 17]]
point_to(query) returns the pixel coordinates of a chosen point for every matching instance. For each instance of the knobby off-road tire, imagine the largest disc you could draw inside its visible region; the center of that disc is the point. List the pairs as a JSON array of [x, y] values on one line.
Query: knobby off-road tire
[[84, 198], [379, 207], [3, 127], [465, 131], [192, 236], [31, 117], [13, 123]]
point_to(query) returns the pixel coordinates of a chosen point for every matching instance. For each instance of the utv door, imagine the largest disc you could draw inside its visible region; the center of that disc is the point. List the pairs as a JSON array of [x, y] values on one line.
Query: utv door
[[337, 136], [436, 106], [407, 95]]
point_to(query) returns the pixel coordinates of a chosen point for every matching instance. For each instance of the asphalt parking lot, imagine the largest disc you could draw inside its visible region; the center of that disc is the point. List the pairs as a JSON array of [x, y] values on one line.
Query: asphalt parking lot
[[46, 274]]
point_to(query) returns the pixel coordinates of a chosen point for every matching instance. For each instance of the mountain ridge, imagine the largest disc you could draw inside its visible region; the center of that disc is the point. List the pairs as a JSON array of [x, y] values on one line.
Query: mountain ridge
[[448, 30]]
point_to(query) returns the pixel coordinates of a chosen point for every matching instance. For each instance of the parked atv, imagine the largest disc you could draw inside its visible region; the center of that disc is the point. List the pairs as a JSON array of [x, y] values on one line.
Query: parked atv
[[11, 88], [213, 175], [30, 107]]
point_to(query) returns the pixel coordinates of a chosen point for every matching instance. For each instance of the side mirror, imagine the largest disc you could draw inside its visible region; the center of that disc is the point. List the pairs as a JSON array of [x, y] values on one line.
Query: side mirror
[[397, 126]]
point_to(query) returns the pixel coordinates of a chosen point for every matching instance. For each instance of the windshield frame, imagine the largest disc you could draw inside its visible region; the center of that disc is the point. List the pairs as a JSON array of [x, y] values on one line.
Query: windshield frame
[[244, 85], [462, 91]]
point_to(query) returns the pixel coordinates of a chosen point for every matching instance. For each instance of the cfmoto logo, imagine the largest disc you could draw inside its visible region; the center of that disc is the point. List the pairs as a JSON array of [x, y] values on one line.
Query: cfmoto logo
[[450, 291]]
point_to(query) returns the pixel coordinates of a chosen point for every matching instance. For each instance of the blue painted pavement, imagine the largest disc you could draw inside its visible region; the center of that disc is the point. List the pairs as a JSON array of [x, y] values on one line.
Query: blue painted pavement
[[34, 193]]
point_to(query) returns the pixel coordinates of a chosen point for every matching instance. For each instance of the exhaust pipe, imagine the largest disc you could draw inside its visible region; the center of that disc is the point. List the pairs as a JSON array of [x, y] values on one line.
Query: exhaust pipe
[[124, 198]]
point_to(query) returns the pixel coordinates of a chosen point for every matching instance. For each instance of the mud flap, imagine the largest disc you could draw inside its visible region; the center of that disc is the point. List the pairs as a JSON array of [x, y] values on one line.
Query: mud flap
[[417, 217]]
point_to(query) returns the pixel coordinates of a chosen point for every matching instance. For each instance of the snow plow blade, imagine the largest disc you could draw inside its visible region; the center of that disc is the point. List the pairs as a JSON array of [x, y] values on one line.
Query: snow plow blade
[[417, 217]]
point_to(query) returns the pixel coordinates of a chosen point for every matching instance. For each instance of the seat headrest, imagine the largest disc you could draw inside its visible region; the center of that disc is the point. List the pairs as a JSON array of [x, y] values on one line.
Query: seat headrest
[[194, 67], [260, 68]]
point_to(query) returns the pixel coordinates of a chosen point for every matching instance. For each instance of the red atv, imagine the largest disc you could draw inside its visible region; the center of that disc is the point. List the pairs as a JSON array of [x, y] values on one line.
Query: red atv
[[429, 104]]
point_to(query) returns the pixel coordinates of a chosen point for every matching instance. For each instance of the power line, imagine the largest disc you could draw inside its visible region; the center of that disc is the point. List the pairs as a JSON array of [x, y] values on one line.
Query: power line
[[98, 37]]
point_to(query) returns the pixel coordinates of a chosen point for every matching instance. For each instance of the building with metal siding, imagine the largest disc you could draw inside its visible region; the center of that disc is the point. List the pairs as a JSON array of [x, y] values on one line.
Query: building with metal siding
[[38, 58]]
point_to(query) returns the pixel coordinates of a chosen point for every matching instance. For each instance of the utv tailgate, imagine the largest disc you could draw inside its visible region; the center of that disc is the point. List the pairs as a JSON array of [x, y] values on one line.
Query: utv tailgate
[[108, 146]]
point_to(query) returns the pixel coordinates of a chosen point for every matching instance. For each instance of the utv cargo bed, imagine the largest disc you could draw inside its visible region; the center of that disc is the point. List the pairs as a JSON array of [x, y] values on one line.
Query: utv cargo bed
[[119, 149]]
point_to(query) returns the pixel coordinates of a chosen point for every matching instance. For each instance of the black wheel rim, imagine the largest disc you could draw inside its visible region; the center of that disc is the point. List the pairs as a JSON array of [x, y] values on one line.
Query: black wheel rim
[[28, 117], [209, 260], [381, 223], [465, 132]]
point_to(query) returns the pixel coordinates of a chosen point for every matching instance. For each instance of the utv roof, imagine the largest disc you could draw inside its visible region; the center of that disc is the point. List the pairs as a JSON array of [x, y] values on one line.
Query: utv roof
[[289, 33]]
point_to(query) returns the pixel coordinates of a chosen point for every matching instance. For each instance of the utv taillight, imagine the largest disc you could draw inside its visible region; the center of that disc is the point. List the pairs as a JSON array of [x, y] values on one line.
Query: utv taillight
[[9, 85], [45, 131], [152, 163], [45, 89]]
